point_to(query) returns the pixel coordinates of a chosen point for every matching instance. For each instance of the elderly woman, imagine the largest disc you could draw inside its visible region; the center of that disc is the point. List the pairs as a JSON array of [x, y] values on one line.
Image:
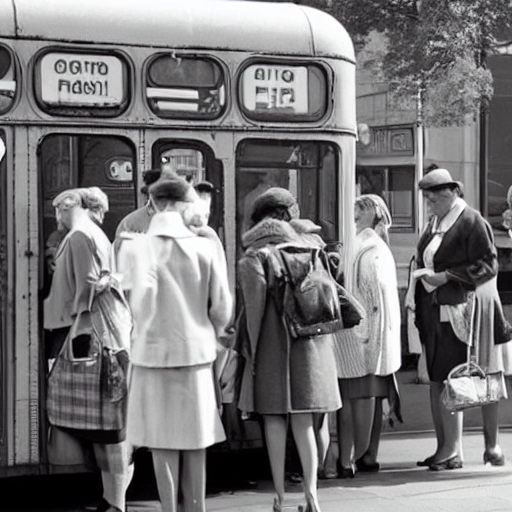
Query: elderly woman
[[284, 379], [369, 354], [455, 257], [76, 258]]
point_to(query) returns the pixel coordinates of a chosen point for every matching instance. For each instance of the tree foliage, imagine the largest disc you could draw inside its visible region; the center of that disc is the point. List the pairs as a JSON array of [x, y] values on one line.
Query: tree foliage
[[435, 48]]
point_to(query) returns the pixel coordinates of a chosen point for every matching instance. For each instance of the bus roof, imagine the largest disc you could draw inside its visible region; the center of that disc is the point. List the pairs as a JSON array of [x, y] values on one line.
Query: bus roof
[[195, 24]]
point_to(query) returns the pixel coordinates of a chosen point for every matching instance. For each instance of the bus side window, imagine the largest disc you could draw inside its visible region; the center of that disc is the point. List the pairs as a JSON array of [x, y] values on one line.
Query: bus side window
[[69, 161]]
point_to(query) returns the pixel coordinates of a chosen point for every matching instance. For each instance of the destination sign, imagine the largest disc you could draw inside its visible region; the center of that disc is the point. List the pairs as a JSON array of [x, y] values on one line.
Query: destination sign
[[276, 88], [70, 79]]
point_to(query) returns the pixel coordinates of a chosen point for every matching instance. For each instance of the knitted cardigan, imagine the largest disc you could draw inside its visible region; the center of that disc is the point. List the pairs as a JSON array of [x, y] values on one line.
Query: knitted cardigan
[[372, 347]]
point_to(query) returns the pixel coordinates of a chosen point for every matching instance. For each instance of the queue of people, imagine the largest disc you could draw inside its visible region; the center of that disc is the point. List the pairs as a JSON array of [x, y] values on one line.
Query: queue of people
[[173, 272]]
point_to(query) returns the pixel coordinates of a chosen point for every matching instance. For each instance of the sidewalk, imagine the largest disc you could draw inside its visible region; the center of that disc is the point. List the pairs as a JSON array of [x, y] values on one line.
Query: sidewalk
[[400, 486]]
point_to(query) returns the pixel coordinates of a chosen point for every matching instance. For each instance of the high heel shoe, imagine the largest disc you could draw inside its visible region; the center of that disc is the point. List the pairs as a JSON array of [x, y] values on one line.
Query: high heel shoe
[[453, 462], [367, 467], [345, 472], [494, 458]]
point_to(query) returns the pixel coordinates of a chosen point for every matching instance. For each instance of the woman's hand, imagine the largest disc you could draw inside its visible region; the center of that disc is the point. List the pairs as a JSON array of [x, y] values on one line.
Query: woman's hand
[[434, 278]]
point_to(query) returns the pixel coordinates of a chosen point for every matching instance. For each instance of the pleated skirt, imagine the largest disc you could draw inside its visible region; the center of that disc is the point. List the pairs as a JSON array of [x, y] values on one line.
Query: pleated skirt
[[173, 408]]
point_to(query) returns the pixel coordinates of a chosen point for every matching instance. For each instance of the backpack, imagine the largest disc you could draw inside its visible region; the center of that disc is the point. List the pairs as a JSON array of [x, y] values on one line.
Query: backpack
[[310, 300]]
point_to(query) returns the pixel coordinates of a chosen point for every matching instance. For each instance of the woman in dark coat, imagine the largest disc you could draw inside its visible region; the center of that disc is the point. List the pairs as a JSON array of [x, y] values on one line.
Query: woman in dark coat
[[456, 265], [284, 379]]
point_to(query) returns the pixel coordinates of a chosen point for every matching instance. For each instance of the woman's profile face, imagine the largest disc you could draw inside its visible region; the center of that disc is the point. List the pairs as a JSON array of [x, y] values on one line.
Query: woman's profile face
[[63, 217], [439, 202], [363, 218]]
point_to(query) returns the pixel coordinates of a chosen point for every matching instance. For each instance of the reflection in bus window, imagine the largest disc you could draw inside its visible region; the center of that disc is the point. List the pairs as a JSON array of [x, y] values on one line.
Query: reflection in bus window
[[185, 87], [307, 169], [7, 79]]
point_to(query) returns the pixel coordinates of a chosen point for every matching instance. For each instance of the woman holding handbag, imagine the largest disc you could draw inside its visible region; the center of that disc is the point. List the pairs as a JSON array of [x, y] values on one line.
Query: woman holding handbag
[[66, 311], [456, 261]]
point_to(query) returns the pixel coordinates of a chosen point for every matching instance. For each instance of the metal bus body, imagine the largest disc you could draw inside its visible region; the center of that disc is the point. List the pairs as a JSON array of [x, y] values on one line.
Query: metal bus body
[[244, 94]]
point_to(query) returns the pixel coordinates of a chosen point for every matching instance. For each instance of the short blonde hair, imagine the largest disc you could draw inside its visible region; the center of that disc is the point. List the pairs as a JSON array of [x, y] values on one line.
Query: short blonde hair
[[95, 201], [68, 199]]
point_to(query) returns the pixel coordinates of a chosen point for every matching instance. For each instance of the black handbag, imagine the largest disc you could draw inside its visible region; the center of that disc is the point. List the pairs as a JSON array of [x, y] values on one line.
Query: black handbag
[[352, 312]]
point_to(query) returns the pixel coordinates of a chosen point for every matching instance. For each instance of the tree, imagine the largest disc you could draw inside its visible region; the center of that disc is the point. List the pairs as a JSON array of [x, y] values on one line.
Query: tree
[[435, 50]]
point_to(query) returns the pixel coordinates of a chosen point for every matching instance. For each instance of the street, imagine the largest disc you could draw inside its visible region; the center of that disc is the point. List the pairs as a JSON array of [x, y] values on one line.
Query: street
[[400, 486], [240, 481]]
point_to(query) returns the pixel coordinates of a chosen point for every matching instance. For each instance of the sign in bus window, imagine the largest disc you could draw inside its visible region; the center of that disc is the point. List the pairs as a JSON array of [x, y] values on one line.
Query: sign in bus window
[[185, 87], [275, 92], [7, 79], [80, 84]]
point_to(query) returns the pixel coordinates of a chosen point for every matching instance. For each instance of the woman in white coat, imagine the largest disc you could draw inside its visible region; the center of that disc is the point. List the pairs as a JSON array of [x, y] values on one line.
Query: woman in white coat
[[369, 354]]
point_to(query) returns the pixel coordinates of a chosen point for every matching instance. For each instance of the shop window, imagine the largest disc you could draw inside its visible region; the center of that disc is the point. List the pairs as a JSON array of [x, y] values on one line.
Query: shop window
[[179, 86], [396, 186], [308, 170], [282, 92], [7, 79]]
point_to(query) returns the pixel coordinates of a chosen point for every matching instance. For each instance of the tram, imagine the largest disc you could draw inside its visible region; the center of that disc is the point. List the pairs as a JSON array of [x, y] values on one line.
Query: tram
[[246, 95]]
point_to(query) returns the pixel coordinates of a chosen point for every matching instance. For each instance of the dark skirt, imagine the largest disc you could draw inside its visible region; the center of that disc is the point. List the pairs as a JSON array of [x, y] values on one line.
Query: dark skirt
[[443, 349], [369, 386]]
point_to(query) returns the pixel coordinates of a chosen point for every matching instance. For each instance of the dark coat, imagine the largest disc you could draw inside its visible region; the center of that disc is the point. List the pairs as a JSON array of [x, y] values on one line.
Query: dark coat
[[281, 375], [466, 253]]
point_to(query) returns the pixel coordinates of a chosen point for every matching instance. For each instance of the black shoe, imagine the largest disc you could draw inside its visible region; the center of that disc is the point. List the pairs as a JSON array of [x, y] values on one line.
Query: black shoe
[[365, 467], [345, 472], [103, 505], [427, 462], [494, 458]]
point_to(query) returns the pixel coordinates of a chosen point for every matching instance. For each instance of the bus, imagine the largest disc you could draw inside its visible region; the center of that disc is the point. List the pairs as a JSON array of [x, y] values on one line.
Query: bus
[[245, 95]]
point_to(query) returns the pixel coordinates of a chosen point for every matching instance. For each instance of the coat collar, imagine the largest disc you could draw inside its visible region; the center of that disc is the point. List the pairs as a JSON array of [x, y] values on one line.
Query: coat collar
[[169, 224]]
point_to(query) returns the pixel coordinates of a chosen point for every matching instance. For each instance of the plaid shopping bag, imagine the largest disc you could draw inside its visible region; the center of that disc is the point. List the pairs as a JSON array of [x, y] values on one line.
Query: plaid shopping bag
[[76, 396]]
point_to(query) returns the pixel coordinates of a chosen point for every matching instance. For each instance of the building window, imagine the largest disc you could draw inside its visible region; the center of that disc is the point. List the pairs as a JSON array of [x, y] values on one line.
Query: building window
[[396, 186]]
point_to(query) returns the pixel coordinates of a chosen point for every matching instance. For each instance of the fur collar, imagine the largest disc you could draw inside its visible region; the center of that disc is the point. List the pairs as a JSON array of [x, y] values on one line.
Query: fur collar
[[269, 231]]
